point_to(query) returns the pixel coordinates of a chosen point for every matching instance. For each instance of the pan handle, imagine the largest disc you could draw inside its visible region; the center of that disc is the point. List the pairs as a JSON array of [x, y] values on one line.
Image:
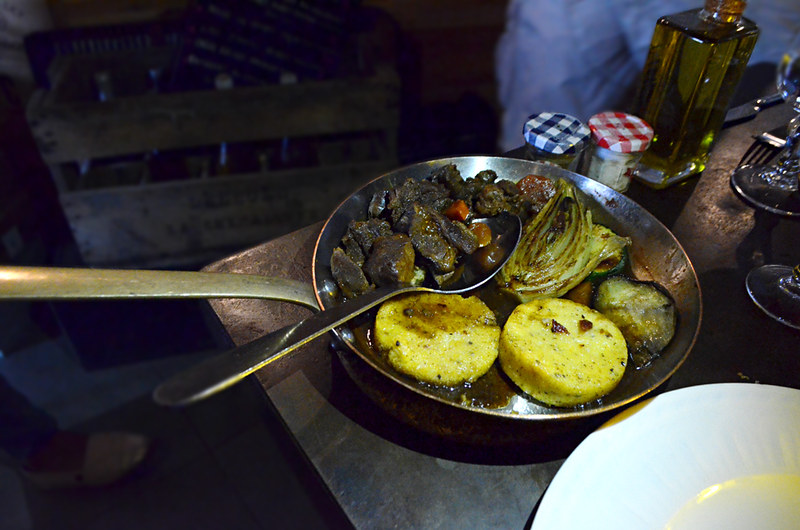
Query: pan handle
[[63, 283]]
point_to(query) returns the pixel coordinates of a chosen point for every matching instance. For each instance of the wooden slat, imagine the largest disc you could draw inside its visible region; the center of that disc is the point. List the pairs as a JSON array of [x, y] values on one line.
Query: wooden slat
[[81, 13], [166, 223], [414, 15], [75, 131]]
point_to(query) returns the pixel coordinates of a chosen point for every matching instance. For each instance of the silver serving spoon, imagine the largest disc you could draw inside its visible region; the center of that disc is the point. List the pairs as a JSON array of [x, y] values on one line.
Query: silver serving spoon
[[228, 368]]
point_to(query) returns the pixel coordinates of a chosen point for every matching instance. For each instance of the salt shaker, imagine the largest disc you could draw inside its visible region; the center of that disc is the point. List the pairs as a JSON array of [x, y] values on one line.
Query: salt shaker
[[619, 140], [555, 138]]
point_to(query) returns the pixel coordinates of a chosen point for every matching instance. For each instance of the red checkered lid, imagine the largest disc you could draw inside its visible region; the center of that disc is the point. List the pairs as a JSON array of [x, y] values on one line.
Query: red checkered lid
[[620, 132]]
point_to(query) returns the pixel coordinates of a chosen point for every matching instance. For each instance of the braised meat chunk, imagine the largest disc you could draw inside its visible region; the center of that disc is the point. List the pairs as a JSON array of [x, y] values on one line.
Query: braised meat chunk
[[412, 192], [429, 241], [348, 275], [457, 234], [377, 205], [353, 249], [492, 200], [450, 178], [391, 261], [366, 232]]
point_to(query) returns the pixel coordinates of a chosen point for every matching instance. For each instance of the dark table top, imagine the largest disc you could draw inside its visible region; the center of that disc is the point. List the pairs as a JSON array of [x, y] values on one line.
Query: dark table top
[[379, 469]]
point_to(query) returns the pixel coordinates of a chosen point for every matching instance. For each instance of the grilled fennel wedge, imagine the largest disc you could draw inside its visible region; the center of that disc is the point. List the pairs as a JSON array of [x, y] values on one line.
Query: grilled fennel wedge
[[558, 249]]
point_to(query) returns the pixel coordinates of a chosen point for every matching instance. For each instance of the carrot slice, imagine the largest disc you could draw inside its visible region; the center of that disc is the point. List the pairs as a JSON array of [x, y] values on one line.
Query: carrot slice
[[482, 232], [458, 211]]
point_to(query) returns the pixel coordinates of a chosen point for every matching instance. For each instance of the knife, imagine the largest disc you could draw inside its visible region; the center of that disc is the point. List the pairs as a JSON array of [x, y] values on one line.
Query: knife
[[749, 110]]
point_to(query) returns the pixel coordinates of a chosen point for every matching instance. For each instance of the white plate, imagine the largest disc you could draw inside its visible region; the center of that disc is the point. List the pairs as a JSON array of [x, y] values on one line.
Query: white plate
[[712, 453]]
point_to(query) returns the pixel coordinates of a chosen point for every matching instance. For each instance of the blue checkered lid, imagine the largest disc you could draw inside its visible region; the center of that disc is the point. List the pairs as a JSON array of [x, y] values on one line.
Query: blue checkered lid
[[555, 133]]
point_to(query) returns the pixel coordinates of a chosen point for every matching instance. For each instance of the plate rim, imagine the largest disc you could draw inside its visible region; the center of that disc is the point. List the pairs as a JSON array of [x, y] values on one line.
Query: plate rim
[[701, 398]]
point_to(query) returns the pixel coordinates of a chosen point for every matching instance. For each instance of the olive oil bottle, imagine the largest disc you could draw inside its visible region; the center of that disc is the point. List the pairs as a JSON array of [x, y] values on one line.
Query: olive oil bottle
[[695, 62]]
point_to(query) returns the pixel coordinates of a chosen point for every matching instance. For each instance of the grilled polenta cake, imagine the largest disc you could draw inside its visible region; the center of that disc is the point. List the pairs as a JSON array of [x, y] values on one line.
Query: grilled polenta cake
[[562, 353], [442, 339]]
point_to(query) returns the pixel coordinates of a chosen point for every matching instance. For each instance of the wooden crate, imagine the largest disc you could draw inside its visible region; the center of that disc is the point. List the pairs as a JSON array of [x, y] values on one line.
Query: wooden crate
[[191, 221]]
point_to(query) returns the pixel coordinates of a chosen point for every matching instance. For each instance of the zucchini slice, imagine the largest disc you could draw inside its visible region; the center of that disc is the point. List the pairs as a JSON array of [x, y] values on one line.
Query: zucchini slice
[[611, 266]]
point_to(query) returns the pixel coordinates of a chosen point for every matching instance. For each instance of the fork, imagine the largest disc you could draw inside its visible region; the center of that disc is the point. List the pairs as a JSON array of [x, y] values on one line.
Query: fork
[[765, 147]]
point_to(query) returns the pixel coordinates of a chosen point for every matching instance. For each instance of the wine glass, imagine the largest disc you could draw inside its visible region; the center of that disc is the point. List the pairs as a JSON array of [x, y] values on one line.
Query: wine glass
[[776, 290], [774, 188]]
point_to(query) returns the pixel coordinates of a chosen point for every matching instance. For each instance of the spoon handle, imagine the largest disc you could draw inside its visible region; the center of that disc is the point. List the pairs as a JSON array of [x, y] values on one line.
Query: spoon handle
[[61, 283], [226, 369]]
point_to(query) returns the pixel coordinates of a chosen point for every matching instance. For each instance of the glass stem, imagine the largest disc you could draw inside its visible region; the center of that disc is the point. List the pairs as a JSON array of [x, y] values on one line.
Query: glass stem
[[792, 283], [786, 172], [792, 146]]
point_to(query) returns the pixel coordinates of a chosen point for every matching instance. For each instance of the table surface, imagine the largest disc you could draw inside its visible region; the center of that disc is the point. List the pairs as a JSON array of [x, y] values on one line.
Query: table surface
[[379, 469]]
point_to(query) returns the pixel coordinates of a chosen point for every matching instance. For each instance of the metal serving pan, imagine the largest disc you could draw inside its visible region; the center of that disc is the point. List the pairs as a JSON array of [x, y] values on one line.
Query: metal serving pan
[[655, 254]]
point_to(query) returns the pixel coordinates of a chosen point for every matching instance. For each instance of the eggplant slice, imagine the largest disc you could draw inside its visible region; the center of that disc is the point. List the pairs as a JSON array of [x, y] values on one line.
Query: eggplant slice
[[644, 313]]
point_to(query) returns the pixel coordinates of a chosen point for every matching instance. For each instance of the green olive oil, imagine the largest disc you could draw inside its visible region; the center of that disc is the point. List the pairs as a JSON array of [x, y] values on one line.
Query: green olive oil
[[695, 62]]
